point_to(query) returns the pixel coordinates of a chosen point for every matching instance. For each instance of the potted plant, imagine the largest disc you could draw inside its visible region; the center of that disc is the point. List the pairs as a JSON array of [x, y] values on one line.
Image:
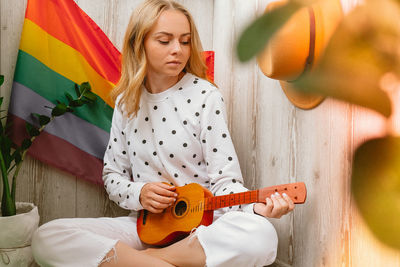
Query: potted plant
[[19, 220]]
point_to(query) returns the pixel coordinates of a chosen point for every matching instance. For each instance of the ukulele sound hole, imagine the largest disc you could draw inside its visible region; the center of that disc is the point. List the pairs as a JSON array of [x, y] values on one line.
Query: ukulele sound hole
[[180, 208]]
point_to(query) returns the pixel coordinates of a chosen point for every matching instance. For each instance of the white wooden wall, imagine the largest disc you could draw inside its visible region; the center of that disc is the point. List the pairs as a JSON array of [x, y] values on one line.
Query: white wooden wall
[[276, 142]]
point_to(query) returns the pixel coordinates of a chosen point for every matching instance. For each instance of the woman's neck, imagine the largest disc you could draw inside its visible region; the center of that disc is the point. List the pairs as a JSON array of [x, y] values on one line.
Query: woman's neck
[[157, 84]]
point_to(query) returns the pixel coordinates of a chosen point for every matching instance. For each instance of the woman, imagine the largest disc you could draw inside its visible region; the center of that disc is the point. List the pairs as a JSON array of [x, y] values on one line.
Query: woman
[[169, 125]]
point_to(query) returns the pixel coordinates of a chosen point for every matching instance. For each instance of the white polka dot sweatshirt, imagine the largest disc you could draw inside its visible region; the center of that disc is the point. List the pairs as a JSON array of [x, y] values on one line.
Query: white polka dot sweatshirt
[[179, 136]]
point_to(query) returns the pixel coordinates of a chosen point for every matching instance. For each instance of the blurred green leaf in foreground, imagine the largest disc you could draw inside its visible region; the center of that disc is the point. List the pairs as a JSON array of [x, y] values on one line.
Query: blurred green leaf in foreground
[[376, 187]]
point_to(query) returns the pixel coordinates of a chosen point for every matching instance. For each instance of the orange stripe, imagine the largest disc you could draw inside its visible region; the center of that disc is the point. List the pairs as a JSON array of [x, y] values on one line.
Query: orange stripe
[[62, 59], [64, 20]]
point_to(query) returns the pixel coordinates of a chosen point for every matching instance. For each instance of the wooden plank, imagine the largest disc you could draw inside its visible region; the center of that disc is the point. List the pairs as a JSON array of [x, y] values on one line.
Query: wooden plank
[[223, 47], [122, 10], [92, 201], [276, 150], [57, 194], [243, 116], [202, 13], [327, 149], [12, 17], [53, 191], [26, 181], [302, 144]]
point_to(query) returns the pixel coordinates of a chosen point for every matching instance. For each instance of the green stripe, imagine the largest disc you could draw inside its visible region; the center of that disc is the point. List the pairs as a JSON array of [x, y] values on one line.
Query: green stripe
[[52, 86]]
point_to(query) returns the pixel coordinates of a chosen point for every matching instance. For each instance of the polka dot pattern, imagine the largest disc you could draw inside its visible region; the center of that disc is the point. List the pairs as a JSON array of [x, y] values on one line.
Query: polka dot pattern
[[183, 136]]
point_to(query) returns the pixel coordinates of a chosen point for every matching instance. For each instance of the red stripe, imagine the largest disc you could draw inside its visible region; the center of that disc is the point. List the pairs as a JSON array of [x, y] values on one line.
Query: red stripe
[[209, 59], [59, 153], [64, 20]]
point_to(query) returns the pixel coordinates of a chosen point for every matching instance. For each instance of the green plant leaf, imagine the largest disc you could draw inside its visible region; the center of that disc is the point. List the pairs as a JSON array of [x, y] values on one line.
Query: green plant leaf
[[255, 37], [7, 126], [17, 155], [43, 120], [78, 93], [86, 100], [84, 87], [40, 119], [2, 128], [1, 79], [91, 96], [8, 206], [76, 103], [26, 143], [375, 186], [59, 110], [5, 146], [31, 129], [69, 97], [37, 115]]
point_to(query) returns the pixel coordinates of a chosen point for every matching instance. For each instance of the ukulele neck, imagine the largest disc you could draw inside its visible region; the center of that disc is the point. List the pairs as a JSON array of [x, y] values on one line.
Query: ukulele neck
[[296, 191], [213, 203]]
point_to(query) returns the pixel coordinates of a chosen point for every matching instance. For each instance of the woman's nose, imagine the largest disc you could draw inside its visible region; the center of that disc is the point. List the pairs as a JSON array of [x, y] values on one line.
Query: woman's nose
[[176, 47]]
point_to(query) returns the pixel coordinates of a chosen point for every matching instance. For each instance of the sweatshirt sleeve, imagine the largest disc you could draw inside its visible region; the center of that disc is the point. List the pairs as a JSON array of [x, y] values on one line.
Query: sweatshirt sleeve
[[219, 153], [117, 171]]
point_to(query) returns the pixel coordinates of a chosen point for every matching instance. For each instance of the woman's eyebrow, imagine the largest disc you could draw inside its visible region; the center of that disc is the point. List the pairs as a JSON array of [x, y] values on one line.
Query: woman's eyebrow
[[170, 34]]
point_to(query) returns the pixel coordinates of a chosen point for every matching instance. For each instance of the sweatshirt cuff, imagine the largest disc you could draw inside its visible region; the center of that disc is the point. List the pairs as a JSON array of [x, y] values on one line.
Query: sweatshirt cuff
[[134, 203]]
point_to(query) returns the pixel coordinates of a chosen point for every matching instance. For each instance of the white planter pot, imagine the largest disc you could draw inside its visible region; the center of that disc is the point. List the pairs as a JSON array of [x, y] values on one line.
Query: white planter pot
[[16, 235]]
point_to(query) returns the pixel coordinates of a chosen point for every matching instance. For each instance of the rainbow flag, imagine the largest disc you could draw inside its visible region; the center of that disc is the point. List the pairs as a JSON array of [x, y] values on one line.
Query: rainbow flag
[[60, 46]]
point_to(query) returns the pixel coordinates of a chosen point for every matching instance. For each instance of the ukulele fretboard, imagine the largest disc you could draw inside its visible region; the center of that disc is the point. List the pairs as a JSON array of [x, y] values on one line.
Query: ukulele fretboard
[[213, 203]]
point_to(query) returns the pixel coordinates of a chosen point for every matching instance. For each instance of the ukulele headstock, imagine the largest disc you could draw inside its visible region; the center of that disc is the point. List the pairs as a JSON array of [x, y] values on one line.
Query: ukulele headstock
[[296, 191]]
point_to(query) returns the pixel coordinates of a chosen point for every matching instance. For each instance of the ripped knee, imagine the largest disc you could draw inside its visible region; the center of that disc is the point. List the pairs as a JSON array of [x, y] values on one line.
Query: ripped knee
[[111, 255]]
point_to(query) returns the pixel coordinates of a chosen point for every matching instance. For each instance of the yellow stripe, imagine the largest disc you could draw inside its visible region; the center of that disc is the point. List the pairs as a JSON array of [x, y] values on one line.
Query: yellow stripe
[[62, 59]]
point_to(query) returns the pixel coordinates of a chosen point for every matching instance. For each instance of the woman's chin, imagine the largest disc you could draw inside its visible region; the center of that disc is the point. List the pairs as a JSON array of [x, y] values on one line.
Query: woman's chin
[[174, 73]]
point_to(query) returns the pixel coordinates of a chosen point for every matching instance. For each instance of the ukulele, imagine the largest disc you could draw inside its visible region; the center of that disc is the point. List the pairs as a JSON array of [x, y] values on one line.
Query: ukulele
[[195, 206]]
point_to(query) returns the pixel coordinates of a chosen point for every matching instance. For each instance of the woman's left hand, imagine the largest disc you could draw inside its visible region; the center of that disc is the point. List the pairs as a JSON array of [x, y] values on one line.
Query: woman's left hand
[[275, 207]]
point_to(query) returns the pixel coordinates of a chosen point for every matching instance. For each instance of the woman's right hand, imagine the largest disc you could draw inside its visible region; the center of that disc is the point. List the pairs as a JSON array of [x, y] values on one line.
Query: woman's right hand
[[157, 196]]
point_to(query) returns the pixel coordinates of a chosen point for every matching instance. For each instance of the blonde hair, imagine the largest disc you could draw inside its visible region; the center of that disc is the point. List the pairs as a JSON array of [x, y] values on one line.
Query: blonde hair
[[134, 63]]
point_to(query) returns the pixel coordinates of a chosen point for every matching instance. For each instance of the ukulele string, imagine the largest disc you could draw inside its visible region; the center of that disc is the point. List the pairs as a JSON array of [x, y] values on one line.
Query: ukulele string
[[200, 204]]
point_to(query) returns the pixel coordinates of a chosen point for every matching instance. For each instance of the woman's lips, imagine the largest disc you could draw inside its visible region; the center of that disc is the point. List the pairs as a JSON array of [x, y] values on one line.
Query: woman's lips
[[174, 63]]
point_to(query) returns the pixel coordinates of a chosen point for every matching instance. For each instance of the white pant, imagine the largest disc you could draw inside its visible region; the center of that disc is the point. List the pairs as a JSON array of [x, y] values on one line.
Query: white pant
[[235, 239]]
